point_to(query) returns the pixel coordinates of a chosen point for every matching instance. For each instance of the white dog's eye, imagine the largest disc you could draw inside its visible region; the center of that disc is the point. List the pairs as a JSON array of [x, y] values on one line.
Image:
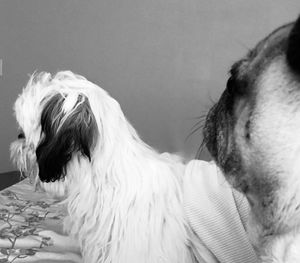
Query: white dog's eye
[[21, 134]]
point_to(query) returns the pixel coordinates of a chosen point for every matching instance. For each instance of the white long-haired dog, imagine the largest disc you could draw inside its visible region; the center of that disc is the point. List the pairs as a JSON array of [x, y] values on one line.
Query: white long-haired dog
[[124, 199]]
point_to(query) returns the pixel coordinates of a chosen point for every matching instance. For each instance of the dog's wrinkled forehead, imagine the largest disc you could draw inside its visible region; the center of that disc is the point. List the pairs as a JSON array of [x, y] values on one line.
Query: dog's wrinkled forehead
[[258, 59]]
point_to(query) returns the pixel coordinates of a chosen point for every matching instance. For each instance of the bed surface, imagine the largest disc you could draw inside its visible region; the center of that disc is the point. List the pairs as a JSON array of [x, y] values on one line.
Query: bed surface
[[31, 227]]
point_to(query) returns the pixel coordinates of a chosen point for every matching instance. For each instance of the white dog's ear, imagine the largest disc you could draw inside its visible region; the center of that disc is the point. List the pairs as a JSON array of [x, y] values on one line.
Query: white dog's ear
[[64, 133]]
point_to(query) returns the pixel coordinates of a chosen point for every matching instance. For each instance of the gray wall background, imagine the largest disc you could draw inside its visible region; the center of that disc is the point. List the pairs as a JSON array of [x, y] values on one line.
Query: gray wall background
[[165, 61]]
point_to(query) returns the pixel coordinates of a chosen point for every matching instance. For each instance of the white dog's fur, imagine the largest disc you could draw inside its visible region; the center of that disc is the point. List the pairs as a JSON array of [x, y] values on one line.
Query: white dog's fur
[[125, 203]]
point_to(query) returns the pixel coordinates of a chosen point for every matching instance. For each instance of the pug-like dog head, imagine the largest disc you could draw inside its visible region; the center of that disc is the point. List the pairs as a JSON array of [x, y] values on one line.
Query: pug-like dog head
[[253, 131]]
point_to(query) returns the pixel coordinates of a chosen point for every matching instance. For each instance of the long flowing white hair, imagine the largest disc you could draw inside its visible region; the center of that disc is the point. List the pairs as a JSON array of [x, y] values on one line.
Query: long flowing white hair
[[124, 198]]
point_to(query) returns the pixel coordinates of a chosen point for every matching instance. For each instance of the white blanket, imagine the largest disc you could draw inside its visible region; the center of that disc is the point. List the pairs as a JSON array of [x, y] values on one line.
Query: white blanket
[[217, 214]]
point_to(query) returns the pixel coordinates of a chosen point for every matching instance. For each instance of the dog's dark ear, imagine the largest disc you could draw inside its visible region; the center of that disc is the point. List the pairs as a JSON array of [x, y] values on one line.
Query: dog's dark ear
[[64, 135], [293, 49]]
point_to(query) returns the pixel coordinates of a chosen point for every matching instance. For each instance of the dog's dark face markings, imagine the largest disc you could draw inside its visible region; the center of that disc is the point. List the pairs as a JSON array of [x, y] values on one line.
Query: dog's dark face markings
[[62, 138], [250, 131]]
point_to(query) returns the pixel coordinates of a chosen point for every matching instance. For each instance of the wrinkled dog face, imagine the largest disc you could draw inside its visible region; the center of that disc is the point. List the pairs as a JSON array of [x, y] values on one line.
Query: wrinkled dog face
[[253, 130]]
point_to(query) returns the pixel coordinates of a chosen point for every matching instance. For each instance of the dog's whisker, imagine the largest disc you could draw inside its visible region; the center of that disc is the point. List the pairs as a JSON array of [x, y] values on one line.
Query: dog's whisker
[[200, 149], [198, 123], [197, 126], [202, 116], [194, 130]]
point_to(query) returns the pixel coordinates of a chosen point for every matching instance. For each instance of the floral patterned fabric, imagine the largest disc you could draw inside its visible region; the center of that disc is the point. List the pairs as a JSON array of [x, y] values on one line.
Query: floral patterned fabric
[[31, 227]]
